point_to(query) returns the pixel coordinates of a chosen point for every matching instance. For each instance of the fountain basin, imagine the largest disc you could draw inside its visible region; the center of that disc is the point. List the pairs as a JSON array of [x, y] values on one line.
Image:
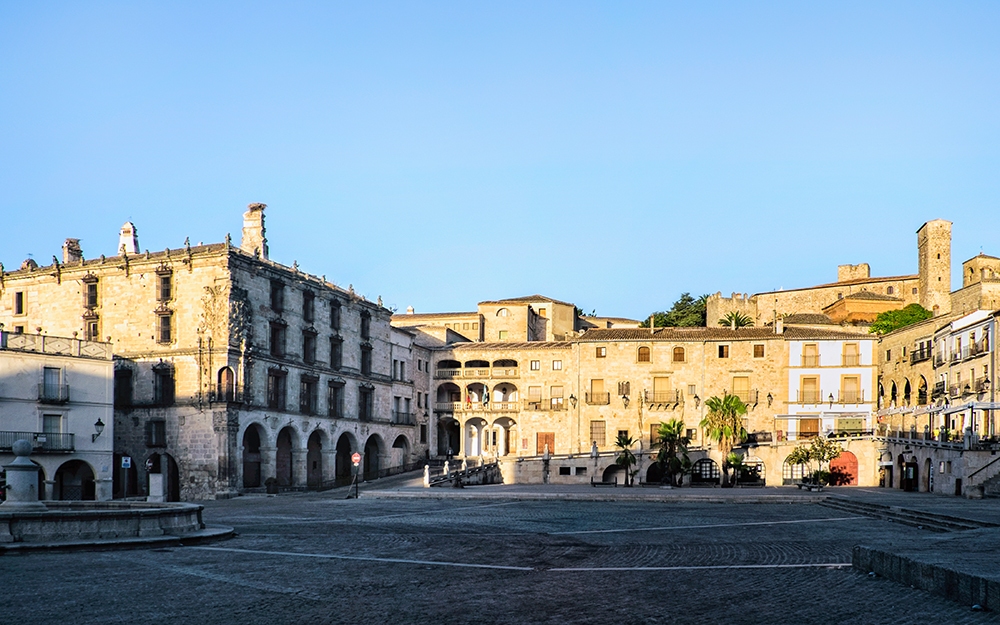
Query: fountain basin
[[98, 524]]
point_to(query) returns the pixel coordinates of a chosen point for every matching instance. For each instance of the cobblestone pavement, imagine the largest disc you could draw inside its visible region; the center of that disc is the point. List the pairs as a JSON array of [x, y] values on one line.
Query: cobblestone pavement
[[315, 558]]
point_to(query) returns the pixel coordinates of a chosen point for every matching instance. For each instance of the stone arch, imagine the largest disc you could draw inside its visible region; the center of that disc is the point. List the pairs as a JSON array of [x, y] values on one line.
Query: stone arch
[[922, 391], [612, 473], [893, 393], [75, 481], [449, 392], [754, 470], [503, 312], [503, 392], [844, 469], [906, 391], [314, 458], [165, 465], [705, 471], [505, 363], [504, 432], [347, 444], [400, 451], [449, 435], [655, 473], [372, 456], [253, 438], [792, 472], [477, 364], [285, 443], [472, 436], [449, 364], [226, 388]]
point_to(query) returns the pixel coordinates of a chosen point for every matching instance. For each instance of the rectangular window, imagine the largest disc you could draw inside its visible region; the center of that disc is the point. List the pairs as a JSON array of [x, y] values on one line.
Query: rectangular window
[[308, 306], [465, 326], [850, 390], [93, 331], [536, 365], [597, 429], [758, 350], [163, 387], [654, 434], [692, 390], [503, 335], [335, 400], [556, 400], [809, 392], [20, 303], [308, 395], [851, 356], [156, 433], [557, 365], [741, 388], [309, 347], [365, 404], [164, 287], [276, 390], [366, 326], [402, 370], [661, 391], [277, 338], [123, 388], [622, 433], [277, 296], [602, 352], [888, 355], [810, 355], [51, 382], [565, 470], [91, 295], [335, 315], [542, 312], [723, 351], [597, 396], [52, 424], [423, 433], [534, 394], [336, 353], [164, 328], [475, 326], [366, 360]]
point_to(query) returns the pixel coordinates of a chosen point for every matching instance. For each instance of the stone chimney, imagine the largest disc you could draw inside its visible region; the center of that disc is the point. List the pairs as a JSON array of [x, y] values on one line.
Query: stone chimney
[[779, 325], [254, 240], [71, 251], [128, 239]]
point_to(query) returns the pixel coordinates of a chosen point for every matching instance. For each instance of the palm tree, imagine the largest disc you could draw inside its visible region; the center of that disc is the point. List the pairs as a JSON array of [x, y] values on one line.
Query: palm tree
[[724, 423], [734, 461], [672, 441], [626, 459], [736, 319]]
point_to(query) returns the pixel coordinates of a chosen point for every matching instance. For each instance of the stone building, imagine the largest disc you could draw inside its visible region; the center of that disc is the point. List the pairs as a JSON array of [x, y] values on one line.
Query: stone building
[[930, 287], [231, 368], [55, 392]]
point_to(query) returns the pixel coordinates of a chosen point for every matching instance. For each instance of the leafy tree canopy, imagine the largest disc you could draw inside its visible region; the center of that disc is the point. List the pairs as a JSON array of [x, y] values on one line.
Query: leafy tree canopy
[[737, 319], [686, 312], [580, 313], [895, 319]]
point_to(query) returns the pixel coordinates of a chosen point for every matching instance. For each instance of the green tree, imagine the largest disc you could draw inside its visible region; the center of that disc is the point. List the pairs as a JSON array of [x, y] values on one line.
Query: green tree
[[685, 312], [626, 459], [724, 423], [735, 319], [734, 463], [891, 320], [672, 441], [821, 450]]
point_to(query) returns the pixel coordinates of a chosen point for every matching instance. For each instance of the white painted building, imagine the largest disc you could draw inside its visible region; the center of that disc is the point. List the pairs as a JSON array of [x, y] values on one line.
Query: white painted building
[[964, 360], [56, 393], [831, 386]]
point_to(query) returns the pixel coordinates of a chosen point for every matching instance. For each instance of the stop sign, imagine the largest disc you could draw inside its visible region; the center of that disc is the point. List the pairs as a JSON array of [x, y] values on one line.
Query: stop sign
[[356, 458]]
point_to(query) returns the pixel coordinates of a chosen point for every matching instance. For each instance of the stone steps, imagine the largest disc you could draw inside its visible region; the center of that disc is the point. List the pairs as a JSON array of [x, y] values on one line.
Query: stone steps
[[915, 518]]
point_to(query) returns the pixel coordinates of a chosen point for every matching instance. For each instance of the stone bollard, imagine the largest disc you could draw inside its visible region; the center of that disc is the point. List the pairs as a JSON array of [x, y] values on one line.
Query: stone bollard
[[427, 476], [22, 480], [465, 467], [447, 469]]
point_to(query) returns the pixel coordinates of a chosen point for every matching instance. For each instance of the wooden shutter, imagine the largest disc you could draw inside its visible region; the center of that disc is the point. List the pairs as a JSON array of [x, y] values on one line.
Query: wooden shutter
[[545, 438]]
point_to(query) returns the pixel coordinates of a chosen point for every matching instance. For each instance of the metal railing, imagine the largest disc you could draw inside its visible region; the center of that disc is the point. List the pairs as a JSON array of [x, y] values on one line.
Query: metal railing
[[41, 441], [856, 397], [402, 418], [53, 393], [939, 389], [597, 399], [545, 405], [748, 396], [226, 392], [810, 397], [663, 397], [810, 361], [850, 360], [447, 374], [919, 355]]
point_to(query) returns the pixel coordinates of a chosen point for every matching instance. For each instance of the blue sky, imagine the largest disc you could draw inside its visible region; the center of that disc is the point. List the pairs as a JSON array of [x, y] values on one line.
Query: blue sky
[[438, 154]]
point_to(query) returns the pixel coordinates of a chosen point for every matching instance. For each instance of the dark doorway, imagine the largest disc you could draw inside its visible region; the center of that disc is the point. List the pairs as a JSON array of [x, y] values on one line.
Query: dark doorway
[[251, 457], [283, 458], [314, 461], [342, 461]]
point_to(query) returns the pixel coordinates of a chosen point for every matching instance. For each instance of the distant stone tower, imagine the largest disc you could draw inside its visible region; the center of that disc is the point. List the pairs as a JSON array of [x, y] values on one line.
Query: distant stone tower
[[128, 239], [254, 239], [934, 261]]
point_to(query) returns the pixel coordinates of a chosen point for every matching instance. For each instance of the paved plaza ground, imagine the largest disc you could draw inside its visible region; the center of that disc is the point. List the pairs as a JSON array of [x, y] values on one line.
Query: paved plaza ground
[[318, 558]]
